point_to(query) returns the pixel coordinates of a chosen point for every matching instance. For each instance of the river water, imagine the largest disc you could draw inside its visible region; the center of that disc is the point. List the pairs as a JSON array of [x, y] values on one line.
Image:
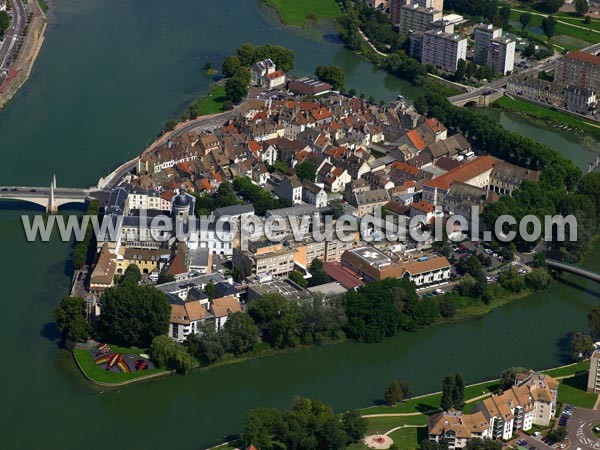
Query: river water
[[107, 78]]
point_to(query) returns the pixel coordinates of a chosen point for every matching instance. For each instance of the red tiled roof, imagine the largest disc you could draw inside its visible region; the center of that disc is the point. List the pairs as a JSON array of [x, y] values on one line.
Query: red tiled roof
[[586, 57], [342, 275], [423, 206], [416, 140], [463, 173]]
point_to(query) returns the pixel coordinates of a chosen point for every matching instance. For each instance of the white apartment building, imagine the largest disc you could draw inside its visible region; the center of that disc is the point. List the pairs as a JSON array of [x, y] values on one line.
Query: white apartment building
[[443, 50], [593, 385], [483, 35]]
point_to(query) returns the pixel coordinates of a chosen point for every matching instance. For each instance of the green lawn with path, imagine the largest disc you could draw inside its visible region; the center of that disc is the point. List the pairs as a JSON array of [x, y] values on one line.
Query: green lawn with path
[[297, 12], [409, 438], [213, 102], [96, 373], [573, 391], [561, 28], [569, 370]]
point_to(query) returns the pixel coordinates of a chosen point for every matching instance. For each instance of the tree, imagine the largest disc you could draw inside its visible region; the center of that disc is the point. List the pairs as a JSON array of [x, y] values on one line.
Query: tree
[[133, 315], [587, 20], [551, 6], [259, 425], [132, 275], [4, 22], [504, 14], [211, 291], [70, 319], [468, 286], [169, 354], [448, 386], [524, 19], [594, 321], [352, 92], [461, 68], [582, 7], [354, 425], [458, 393], [318, 274], [484, 444], [298, 278], [558, 434], [165, 278], [239, 334], [206, 345], [393, 393], [306, 170], [333, 75], [236, 89], [508, 376], [538, 279], [336, 209], [231, 66], [277, 318], [511, 280], [581, 346], [448, 307], [549, 26], [171, 124]]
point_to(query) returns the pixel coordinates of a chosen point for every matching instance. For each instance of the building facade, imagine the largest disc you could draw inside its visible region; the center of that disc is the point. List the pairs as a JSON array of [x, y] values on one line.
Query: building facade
[[443, 50]]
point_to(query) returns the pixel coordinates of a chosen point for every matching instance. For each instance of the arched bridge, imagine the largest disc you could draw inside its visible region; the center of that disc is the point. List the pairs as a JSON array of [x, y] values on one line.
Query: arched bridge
[[50, 197], [483, 97], [594, 276]]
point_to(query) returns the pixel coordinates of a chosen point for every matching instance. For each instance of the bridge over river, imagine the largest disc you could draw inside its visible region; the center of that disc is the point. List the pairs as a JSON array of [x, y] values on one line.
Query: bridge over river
[[51, 197], [590, 275]]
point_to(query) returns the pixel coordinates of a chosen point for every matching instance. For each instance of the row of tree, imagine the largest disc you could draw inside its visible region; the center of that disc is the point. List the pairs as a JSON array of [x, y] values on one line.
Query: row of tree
[[308, 424], [581, 345]]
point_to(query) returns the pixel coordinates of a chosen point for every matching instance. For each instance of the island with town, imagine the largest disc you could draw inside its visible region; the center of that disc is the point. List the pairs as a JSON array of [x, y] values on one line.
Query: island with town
[[298, 214]]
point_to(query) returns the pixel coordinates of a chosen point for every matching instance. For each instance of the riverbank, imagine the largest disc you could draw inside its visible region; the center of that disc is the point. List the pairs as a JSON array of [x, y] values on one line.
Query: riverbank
[[21, 70], [406, 421], [548, 115], [294, 13]]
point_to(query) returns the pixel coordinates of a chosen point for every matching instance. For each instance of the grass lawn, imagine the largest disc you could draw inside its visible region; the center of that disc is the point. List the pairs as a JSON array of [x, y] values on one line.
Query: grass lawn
[[569, 370], [561, 28], [377, 425], [213, 102], [295, 12], [430, 403], [546, 114], [98, 374], [573, 391], [409, 438]]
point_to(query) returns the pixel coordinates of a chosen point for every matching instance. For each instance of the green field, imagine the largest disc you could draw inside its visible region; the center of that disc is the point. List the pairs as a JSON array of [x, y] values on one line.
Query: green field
[[409, 438], [561, 28], [298, 12], [95, 373], [573, 391], [547, 114], [431, 403], [213, 102], [569, 370]]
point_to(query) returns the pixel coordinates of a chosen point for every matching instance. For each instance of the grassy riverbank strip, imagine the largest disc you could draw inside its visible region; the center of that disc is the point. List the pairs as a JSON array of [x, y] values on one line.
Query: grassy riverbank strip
[[536, 111], [295, 13]]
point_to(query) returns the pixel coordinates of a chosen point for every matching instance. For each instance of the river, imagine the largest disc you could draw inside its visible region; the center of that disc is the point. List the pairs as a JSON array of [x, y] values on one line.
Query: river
[[107, 78]]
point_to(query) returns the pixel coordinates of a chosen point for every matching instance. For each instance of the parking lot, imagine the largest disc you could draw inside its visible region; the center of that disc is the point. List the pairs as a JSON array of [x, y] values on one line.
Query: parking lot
[[580, 428]]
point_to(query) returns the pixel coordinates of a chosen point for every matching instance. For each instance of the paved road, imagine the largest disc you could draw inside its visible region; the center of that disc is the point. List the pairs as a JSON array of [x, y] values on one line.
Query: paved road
[[580, 429], [11, 36]]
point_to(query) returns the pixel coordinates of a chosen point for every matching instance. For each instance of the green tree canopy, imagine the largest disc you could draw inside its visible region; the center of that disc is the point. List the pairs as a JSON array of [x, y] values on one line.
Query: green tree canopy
[[132, 275], [549, 26], [133, 315], [70, 319], [239, 334], [581, 346], [306, 170], [278, 320], [4, 22], [169, 354], [333, 75], [236, 89], [524, 19], [508, 376]]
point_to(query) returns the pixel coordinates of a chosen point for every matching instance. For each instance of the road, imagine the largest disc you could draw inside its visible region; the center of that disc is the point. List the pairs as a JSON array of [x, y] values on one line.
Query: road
[[580, 429], [9, 45]]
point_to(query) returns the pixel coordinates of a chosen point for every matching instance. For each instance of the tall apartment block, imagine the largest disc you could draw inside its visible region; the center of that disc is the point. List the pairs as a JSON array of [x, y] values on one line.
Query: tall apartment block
[[493, 50], [414, 17], [594, 376], [443, 50]]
